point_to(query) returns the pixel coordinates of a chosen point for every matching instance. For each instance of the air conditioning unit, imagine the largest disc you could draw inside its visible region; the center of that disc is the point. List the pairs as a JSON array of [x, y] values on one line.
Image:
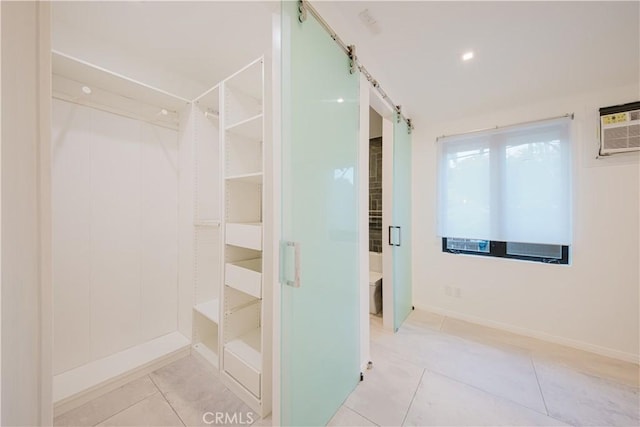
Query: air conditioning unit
[[472, 245], [620, 128]]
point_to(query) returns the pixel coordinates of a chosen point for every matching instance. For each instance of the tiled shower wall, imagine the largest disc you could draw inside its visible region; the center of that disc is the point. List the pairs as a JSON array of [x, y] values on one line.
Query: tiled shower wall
[[375, 195]]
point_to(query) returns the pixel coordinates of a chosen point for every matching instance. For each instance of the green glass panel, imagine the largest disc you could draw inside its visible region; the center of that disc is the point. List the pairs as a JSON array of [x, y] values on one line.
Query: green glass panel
[[320, 126], [402, 303]]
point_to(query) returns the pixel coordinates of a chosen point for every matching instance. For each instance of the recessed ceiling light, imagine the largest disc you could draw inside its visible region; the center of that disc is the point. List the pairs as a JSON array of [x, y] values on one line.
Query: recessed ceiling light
[[164, 112], [86, 90], [467, 56], [340, 100]]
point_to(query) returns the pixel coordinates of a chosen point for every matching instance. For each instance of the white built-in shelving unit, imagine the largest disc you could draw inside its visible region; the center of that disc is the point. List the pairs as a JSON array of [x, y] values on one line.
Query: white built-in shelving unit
[[229, 310], [224, 301], [205, 123], [244, 335]]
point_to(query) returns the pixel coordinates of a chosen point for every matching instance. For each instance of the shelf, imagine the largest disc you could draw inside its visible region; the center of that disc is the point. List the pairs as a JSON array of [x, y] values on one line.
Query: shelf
[[245, 276], [244, 304], [95, 76], [247, 349], [99, 373], [243, 360], [253, 178], [245, 235], [250, 128], [253, 265], [66, 89], [206, 353], [207, 223], [209, 309], [108, 91]]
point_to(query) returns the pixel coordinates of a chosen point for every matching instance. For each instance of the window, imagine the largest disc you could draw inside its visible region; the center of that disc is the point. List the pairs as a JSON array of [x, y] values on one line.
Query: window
[[506, 192]]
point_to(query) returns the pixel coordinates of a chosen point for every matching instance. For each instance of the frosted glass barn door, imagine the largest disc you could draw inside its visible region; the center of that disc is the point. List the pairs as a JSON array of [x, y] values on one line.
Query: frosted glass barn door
[[400, 230], [319, 242]]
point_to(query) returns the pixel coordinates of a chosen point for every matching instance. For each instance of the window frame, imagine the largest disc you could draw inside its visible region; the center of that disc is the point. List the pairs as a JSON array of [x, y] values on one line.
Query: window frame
[[500, 236], [498, 249]]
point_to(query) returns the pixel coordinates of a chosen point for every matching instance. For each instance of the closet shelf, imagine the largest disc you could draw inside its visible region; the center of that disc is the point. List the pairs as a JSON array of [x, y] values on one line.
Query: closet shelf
[[245, 276], [245, 235], [207, 223], [242, 307], [209, 309], [250, 128], [254, 178], [243, 361], [247, 348], [113, 92], [93, 375]]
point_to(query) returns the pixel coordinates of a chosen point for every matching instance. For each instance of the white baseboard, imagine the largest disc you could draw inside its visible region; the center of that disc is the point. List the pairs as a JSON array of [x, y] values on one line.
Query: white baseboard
[[580, 345], [76, 387]]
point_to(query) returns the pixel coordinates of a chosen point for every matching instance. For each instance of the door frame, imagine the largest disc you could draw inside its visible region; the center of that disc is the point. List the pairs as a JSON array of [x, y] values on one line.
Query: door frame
[[274, 166], [370, 97]]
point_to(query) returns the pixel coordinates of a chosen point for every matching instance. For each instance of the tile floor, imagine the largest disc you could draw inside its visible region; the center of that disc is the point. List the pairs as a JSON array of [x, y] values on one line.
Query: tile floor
[[178, 394], [434, 371], [441, 371]]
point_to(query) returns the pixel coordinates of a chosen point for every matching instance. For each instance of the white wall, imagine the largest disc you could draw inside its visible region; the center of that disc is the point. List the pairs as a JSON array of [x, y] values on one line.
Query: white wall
[[115, 214], [593, 303], [375, 124], [24, 304]]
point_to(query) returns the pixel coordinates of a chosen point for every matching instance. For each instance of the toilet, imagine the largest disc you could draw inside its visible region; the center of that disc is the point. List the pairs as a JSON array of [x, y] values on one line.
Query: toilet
[[375, 292], [375, 283]]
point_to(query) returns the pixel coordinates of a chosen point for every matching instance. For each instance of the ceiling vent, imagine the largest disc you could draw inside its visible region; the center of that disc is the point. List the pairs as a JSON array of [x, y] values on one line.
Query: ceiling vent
[[620, 128], [370, 22]]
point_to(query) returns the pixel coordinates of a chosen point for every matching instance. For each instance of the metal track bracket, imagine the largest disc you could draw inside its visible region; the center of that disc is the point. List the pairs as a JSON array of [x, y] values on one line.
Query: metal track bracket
[[353, 59], [302, 11]]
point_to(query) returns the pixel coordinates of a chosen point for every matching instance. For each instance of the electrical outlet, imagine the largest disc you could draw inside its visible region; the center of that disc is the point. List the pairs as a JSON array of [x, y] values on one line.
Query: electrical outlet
[[447, 290], [457, 292]]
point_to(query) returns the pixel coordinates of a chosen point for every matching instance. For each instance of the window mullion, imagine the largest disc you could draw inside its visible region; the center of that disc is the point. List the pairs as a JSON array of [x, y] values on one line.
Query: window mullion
[[496, 167]]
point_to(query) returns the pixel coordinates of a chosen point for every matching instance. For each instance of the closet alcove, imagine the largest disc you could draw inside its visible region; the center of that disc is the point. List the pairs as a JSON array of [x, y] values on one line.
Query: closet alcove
[[160, 194]]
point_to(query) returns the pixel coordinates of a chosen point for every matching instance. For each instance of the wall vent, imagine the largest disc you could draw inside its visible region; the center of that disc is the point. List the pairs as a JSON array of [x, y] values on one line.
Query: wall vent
[[620, 128]]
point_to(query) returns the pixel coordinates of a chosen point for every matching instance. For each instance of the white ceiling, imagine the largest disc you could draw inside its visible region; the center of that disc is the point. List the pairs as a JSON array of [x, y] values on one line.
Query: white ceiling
[[524, 51]]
